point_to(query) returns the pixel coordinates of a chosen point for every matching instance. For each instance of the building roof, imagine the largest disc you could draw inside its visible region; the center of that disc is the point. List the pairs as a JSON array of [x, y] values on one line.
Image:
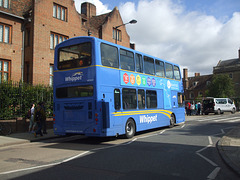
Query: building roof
[[98, 21], [199, 82], [230, 62]]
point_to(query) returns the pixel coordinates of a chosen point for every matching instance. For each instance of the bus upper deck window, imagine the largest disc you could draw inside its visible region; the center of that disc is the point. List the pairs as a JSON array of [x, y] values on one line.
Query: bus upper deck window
[[109, 55], [75, 56], [177, 73], [149, 65], [169, 71]]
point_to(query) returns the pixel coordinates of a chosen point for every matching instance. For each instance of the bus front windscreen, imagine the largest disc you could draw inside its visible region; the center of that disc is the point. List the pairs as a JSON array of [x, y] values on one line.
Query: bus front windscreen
[[75, 56]]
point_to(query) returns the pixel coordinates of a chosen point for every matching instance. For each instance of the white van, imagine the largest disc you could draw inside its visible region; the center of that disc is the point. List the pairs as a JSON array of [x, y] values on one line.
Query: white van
[[218, 105]]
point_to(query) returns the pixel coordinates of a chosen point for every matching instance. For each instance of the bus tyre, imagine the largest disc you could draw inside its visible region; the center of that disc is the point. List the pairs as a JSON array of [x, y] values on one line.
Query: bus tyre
[[130, 128], [172, 121]]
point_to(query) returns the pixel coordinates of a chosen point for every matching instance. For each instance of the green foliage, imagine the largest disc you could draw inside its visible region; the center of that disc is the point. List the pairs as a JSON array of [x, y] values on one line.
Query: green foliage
[[221, 86], [16, 99]]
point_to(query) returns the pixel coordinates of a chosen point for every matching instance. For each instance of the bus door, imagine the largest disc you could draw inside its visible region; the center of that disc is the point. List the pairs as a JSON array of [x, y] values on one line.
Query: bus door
[[178, 106]]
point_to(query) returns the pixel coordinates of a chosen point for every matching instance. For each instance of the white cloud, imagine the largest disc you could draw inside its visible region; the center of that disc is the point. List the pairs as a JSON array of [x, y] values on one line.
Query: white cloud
[[166, 30], [101, 8], [193, 40]]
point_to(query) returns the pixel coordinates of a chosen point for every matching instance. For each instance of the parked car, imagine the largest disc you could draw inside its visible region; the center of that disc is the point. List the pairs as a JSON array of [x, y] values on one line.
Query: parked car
[[218, 105]]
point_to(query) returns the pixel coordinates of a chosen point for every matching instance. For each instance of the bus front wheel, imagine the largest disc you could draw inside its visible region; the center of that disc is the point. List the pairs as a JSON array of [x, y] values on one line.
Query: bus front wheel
[[130, 128]]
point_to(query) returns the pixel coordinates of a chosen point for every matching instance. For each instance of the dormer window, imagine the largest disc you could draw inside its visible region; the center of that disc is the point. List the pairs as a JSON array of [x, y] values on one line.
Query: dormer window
[[195, 83]]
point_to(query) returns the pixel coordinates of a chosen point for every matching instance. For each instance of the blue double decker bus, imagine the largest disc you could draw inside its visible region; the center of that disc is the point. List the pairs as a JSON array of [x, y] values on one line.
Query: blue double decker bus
[[103, 89]]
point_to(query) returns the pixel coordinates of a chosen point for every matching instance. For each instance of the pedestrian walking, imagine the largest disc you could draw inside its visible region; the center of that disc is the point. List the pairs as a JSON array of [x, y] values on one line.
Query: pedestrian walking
[[32, 124], [44, 126], [38, 118], [188, 109], [199, 108]]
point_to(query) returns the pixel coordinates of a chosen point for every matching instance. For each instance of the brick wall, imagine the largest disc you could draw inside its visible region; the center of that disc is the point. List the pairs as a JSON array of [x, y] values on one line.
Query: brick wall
[[12, 51], [44, 25]]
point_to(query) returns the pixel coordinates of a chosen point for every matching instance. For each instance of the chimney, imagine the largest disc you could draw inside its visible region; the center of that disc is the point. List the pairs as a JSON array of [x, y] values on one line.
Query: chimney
[[185, 79], [88, 9], [197, 74], [239, 54]]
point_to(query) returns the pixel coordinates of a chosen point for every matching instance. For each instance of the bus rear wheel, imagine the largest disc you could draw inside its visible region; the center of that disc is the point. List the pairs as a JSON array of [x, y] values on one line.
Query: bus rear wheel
[[172, 121], [130, 128]]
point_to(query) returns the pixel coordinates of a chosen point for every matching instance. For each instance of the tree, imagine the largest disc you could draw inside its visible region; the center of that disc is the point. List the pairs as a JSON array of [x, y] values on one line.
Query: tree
[[221, 86]]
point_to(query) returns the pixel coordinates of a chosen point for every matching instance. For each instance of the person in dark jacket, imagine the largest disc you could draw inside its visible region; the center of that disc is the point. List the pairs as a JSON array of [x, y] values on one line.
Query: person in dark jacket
[[39, 118]]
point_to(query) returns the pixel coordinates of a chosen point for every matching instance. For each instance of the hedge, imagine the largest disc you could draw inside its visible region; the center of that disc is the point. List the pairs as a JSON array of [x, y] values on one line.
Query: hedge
[[16, 99]]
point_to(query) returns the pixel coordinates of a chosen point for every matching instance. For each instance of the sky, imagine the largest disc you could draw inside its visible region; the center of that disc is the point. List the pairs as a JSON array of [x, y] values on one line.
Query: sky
[[193, 34]]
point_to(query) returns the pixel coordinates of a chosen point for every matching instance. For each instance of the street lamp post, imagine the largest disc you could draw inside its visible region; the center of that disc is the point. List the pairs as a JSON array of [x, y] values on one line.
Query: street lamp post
[[116, 27]]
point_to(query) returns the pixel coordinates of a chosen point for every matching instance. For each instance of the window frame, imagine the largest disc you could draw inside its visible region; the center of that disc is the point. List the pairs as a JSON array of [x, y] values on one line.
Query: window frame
[[128, 95], [139, 62], [117, 99], [5, 4], [3, 38], [147, 65], [177, 71], [149, 101], [117, 34], [141, 93], [3, 72], [105, 60], [58, 12], [125, 57], [158, 70], [166, 71], [53, 42], [51, 75]]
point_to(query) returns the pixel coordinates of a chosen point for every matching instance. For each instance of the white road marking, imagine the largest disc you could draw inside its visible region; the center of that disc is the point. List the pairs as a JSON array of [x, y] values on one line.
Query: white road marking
[[214, 173]]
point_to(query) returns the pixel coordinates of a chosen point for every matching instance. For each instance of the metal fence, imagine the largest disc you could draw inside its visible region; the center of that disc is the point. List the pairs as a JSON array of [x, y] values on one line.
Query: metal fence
[[16, 99]]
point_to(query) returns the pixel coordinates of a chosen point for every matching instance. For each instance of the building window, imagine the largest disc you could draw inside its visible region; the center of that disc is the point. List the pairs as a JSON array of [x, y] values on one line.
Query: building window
[[59, 12], [195, 83], [4, 70], [117, 34], [4, 3], [51, 75], [191, 95], [5, 33], [55, 39]]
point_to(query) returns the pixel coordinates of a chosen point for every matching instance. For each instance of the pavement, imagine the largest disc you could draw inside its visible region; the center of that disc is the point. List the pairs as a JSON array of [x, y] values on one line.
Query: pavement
[[228, 146]]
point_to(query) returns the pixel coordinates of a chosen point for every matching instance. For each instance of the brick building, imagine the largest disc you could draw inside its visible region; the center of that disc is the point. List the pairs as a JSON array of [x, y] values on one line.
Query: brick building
[[30, 29], [195, 87]]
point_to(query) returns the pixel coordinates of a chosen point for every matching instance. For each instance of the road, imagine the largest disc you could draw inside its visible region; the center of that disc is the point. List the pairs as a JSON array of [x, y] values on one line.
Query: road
[[187, 151]]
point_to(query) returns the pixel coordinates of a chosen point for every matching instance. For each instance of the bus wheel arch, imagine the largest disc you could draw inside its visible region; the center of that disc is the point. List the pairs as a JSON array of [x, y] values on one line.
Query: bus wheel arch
[[130, 128], [172, 120]]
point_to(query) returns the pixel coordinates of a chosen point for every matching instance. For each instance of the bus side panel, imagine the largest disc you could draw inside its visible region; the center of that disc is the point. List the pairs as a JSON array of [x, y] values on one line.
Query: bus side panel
[[180, 114]]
